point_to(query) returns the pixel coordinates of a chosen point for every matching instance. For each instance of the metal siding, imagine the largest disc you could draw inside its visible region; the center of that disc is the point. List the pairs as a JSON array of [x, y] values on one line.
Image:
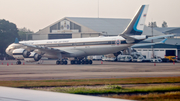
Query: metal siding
[[111, 26]]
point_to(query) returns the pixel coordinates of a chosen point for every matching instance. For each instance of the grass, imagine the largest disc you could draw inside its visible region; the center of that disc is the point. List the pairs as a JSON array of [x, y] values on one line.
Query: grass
[[168, 96], [145, 93], [89, 82], [115, 89]]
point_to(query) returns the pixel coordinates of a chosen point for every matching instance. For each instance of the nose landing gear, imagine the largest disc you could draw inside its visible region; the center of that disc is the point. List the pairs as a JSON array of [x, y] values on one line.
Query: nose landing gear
[[18, 62]]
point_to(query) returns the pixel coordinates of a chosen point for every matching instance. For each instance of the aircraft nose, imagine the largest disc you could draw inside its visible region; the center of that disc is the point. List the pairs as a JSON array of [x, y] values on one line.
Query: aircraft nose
[[7, 51]]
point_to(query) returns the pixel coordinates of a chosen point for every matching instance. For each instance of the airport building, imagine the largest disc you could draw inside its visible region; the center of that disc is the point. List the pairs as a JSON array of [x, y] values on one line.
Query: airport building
[[79, 27], [170, 48]]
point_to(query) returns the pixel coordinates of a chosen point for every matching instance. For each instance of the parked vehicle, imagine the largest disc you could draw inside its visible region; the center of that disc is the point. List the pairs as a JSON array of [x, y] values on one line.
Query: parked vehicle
[[97, 57], [165, 60], [171, 58], [124, 58], [108, 59], [156, 59], [138, 57]]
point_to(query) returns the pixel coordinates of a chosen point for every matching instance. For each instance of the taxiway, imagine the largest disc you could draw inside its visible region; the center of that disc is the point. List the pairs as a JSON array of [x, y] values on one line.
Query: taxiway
[[49, 70]]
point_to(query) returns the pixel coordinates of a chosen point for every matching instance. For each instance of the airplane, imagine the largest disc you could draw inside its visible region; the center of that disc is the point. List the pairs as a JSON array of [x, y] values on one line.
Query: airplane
[[78, 48], [18, 94]]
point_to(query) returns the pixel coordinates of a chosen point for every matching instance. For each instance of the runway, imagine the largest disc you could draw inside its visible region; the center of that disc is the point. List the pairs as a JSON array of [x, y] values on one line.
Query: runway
[[49, 70]]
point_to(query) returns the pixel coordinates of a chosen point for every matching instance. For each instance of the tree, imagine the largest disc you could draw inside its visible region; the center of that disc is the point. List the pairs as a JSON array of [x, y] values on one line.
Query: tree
[[25, 34], [152, 24], [164, 24], [8, 33]]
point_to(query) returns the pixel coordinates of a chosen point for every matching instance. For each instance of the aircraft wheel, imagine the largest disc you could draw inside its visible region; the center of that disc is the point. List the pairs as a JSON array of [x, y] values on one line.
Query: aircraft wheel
[[58, 62], [90, 62], [65, 62], [83, 62], [86, 62], [78, 62], [18, 62], [72, 62], [75, 61], [62, 63]]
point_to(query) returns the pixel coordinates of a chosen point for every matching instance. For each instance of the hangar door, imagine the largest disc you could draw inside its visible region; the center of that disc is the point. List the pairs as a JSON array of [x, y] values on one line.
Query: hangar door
[[59, 36], [170, 52]]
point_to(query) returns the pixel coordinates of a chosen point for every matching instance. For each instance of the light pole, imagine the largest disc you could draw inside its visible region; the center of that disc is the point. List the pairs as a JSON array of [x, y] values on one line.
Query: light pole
[[98, 8], [152, 25]]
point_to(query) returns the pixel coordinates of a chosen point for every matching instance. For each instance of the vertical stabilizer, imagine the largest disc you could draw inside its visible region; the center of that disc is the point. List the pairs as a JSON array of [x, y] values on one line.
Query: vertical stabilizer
[[136, 25], [16, 40]]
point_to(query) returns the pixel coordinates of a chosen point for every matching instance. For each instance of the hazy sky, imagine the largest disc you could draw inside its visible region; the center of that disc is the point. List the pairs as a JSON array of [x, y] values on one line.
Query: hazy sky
[[37, 14]]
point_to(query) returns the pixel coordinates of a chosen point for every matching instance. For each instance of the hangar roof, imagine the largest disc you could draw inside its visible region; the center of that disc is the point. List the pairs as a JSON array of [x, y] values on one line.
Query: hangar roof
[[113, 26], [168, 29]]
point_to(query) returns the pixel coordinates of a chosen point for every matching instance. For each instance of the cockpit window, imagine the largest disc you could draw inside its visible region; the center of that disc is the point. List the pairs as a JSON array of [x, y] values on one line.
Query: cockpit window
[[11, 47]]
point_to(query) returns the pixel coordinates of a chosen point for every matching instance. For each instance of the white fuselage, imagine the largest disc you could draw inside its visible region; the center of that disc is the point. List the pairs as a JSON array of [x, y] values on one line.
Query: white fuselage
[[85, 46], [82, 46]]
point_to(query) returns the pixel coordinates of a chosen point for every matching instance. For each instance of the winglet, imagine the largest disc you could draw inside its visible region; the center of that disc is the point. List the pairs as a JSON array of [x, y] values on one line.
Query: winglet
[[16, 40], [163, 41]]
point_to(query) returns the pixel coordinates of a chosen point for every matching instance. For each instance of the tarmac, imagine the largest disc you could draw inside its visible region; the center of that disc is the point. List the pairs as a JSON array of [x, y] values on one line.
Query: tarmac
[[48, 70]]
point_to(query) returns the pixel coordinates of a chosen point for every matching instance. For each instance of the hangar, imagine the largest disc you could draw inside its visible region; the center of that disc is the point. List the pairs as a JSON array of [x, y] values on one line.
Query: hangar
[[79, 27], [170, 48]]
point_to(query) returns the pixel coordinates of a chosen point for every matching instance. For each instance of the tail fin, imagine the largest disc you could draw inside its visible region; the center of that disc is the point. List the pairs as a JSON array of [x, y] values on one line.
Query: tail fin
[[136, 25], [16, 40]]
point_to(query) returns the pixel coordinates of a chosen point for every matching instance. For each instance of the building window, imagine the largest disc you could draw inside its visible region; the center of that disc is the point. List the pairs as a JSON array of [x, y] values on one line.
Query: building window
[[74, 26]]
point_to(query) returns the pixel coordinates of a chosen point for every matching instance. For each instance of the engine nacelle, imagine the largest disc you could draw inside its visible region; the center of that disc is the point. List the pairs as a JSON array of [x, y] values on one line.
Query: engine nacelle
[[20, 53], [33, 57]]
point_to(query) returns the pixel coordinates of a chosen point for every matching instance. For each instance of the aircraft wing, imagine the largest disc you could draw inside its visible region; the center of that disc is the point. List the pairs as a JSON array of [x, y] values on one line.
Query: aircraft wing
[[149, 44], [17, 94], [42, 49]]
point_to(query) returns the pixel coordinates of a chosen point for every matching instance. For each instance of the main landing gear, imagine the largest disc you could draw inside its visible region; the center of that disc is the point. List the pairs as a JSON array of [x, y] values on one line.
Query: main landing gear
[[76, 61], [86, 61], [62, 62], [18, 62]]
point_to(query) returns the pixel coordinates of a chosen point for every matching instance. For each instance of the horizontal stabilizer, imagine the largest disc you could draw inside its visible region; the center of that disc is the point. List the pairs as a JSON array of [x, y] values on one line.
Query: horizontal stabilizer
[[158, 37], [149, 44]]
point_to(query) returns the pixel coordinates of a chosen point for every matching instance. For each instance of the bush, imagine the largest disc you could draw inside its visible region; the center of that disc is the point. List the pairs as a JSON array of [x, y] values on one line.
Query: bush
[[114, 87]]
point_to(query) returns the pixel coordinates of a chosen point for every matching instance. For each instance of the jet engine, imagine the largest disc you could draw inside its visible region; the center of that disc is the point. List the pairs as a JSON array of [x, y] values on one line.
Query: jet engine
[[33, 57], [20, 53]]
